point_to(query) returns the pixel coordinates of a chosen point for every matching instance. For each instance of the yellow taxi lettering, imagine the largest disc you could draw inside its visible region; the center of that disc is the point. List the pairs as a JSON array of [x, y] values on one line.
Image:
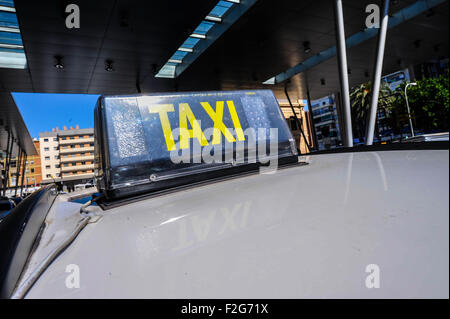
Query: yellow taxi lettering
[[219, 126], [162, 110], [196, 131], [236, 122]]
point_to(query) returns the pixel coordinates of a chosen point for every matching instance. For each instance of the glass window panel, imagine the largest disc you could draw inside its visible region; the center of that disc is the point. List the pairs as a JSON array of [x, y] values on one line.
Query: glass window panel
[[190, 42], [179, 55], [7, 3], [204, 27], [8, 19], [10, 38], [220, 9]]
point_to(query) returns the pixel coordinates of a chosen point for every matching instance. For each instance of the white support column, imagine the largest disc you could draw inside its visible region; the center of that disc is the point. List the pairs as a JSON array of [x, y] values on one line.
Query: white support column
[[377, 74], [343, 72]]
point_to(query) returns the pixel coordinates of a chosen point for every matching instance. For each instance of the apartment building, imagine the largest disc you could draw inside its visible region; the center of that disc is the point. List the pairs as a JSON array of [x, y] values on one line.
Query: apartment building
[[49, 150], [67, 154], [326, 122]]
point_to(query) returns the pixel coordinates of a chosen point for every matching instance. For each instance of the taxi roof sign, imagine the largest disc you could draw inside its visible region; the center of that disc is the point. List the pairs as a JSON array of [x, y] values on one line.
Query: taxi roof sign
[[154, 141]]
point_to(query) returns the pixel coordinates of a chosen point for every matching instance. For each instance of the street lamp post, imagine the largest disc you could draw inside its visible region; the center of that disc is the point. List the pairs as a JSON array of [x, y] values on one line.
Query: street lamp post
[[407, 107]]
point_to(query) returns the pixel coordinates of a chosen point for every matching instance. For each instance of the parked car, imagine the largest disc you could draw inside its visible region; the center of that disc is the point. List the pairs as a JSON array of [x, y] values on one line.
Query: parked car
[[428, 138], [6, 205], [16, 199]]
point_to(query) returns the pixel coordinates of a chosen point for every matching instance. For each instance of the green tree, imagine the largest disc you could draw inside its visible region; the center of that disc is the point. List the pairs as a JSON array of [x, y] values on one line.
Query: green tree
[[429, 104]]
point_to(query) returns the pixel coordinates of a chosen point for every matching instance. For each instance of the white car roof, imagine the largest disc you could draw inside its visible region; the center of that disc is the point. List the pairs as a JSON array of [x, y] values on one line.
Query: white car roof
[[303, 232]]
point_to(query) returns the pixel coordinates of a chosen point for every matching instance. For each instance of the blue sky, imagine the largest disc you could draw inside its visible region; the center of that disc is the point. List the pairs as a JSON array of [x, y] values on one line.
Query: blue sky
[[42, 111]]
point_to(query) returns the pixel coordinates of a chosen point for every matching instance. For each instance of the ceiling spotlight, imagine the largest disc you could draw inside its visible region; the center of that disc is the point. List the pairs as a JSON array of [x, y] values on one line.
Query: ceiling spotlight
[[109, 66], [59, 64], [322, 81], [306, 47]]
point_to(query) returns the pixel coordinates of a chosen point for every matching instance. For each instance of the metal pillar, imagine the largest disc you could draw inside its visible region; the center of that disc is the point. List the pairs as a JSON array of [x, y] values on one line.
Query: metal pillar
[[18, 164], [8, 161], [24, 167], [5, 181], [302, 134], [311, 120], [343, 76], [377, 74], [407, 108]]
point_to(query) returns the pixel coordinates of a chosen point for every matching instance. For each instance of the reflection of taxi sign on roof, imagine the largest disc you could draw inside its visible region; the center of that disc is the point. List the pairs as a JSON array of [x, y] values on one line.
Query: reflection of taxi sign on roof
[[152, 142]]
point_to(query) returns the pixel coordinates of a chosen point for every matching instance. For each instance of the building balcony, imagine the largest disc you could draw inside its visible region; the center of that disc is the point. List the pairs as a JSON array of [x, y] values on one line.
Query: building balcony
[[77, 159], [77, 168], [76, 150], [77, 177], [324, 123], [77, 141], [321, 106], [317, 116]]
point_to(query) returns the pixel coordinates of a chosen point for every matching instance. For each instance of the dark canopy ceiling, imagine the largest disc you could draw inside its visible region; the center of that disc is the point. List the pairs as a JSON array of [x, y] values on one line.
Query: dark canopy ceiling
[[11, 121], [140, 36]]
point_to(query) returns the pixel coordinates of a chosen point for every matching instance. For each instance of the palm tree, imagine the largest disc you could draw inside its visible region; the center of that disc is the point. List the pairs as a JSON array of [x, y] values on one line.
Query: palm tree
[[360, 103]]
